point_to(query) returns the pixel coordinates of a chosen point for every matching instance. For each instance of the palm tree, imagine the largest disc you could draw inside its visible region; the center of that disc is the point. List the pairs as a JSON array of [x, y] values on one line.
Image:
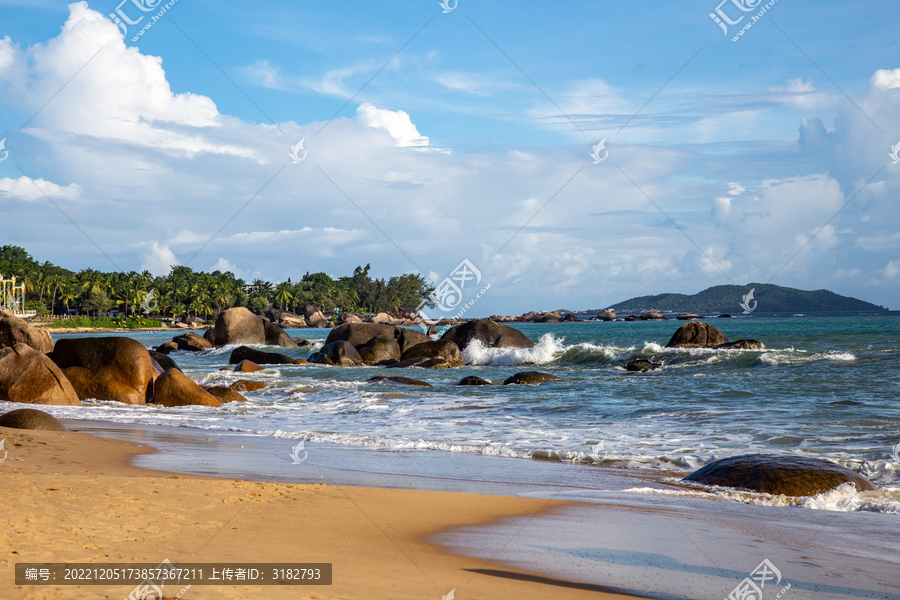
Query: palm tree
[[283, 293]]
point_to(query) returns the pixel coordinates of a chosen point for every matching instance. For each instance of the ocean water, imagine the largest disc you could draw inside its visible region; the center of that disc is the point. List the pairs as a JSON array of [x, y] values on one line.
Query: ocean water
[[827, 386]]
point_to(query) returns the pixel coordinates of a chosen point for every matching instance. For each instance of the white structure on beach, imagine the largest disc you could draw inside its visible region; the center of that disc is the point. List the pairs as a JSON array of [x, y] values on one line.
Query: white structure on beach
[[12, 297]]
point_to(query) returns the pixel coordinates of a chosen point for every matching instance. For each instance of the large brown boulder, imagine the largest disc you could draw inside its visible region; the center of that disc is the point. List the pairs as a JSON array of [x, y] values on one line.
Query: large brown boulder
[[314, 317], [239, 326], [173, 388], [248, 366], [167, 347], [345, 318], [380, 350], [339, 353], [163, 361], [191, 342], [107, 368], [490, 334], [258, 356], [650, 316], [444, 349], [27, 375], [380, 318], [606, 315], [14, 330], [695, 334], [361, 333], [530, 377], [30, 418], [775, 474]]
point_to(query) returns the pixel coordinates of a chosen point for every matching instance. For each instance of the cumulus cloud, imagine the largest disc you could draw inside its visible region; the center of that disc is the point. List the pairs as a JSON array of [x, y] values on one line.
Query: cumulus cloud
[[396, 122], [158, 259], [24, 188]]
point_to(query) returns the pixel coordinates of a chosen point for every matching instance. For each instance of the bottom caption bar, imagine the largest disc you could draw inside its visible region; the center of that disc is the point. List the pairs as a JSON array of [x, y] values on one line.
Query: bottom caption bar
[[166, 573]]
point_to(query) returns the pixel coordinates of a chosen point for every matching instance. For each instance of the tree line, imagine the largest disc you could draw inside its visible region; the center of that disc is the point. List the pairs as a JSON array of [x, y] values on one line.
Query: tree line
[[187, 293]]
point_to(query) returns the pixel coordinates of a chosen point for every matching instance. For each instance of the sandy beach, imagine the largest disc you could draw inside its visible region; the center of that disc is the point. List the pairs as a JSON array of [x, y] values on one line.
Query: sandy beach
[[74, 497]]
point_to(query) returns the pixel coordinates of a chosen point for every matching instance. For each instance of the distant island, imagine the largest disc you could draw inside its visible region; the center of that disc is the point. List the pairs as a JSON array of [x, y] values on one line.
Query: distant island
[[767, 298]]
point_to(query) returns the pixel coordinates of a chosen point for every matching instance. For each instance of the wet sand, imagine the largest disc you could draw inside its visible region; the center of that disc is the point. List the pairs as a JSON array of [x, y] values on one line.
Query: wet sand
[[74, 497]]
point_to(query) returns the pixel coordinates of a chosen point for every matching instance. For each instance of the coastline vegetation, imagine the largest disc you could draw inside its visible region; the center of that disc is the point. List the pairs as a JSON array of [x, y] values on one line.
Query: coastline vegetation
[[90, 296]]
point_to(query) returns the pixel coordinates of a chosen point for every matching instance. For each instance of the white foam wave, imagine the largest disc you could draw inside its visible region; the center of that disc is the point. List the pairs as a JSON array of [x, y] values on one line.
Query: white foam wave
[[546, 350]]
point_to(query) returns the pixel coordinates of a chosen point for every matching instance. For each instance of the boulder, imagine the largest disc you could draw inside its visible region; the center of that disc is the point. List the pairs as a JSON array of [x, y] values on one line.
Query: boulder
[[247, 366], [14, 330], [28, 375], [472, 380], [286, 320], [30, 418], [570, 318], [345, 318], [642, 365], [259, 357], [741, 345], [173, 388], [341, 353], [632, 318], [382, 349], [360, 333], [531, 377], [421, 362], [776, 474], [302, 342], [107, 368], [547, 318], [687, 317], [163, 361], [239, 326], [167, 347], [606, 315], [314, 317], [401, 380], [300, 361], [210, 336], [652, 316], [223, 394], [382, 318], [276, 336], [245, 385], [444, 349], [191, 342], [490, 334], [695, 334]]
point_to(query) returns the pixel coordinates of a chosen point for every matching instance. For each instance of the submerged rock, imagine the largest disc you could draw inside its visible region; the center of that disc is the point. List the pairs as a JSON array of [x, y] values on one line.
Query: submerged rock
[[420, 362], [401, 380], [741, 345], [531, 377], [642, 365], [472, 380], [30, 418], [775, 474]]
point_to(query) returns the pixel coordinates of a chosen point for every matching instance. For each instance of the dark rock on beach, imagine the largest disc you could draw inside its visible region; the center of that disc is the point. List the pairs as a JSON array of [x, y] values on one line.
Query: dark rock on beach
[[444, 349], [380, 350], [340, 353], [260, 357], [472, 380], [30, 418], [164, 361], [107, 368], [741, 345], [359, 334], [531, 377], [14, 330], [401, 380], [642, 365], [489, 333], [191, 342], [695, 334], [27, 375], [775, 474]]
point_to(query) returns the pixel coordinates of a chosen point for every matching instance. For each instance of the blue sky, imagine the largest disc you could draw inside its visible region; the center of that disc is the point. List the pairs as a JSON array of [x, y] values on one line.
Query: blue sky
[[743, 153]]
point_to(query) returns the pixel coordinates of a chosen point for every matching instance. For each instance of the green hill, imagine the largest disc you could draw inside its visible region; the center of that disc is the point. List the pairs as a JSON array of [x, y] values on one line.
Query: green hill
[[728, 298]]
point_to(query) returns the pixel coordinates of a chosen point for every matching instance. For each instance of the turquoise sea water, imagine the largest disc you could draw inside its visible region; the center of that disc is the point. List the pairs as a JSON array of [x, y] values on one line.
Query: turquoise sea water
[[828, 385]]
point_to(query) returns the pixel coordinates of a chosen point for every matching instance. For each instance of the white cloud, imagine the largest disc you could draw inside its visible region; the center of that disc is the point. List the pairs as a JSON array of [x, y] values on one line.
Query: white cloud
[[23, 188], [885, 79], [396, 123], [158, 259]]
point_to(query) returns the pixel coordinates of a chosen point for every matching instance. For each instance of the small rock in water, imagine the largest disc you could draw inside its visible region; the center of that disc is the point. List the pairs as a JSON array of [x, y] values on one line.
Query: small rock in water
[[642, 365], [531, 377], [402, 380], [472, 380], [741, 345]]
